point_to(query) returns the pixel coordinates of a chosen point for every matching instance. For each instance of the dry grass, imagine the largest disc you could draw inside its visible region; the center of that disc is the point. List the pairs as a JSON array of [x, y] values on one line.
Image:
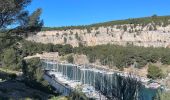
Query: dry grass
[[141, 72]]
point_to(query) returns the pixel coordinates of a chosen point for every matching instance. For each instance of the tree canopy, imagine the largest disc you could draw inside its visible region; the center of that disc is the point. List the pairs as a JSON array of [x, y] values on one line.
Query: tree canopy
[[120, 56], [12, 11], [15, 23]]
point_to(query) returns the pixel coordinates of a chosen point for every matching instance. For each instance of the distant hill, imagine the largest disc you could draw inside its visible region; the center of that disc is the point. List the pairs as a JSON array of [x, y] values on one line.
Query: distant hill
[[158, 20]]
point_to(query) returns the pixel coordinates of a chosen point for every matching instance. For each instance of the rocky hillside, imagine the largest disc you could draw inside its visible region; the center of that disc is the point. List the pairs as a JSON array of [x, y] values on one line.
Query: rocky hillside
[[154, 31]]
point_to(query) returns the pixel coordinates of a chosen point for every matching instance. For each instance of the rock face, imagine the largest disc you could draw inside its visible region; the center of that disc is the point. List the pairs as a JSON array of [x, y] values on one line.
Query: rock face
[[138, 35]]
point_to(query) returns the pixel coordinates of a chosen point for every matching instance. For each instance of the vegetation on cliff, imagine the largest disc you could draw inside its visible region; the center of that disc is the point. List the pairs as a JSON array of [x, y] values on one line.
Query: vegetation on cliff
[[112, 55], [119, 56], [31, 48], [156, 20]]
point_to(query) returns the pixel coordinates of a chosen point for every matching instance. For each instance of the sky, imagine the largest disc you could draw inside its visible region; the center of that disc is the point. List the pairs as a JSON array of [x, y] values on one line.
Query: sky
[[83, 12]]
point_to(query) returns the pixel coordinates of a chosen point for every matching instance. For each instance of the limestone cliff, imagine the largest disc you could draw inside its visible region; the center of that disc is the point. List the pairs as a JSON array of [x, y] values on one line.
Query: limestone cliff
[[147, 36]]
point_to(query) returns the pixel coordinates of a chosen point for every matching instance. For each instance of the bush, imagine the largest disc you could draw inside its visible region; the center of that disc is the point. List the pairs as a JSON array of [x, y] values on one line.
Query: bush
[[154, 72], [70, 59]]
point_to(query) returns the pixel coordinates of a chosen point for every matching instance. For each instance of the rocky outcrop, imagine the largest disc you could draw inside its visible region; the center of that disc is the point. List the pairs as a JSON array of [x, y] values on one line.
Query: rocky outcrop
[[147, 36]]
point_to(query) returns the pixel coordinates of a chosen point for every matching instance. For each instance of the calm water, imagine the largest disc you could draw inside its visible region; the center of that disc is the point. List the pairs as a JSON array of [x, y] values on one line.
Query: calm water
[[88, 76], [147, 94]]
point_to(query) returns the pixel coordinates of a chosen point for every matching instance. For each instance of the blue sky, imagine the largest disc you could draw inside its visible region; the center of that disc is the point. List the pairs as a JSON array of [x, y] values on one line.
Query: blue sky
[[83, 12]]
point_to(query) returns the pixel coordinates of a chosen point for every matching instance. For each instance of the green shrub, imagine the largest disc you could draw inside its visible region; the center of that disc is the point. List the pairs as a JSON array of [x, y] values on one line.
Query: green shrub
[[154, 72], [70, 59]]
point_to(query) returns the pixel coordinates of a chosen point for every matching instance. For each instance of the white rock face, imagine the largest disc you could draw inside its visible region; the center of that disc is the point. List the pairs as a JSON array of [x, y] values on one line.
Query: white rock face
[[139, 36]]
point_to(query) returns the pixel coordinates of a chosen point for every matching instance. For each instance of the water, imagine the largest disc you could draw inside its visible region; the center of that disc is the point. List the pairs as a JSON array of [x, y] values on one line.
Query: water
[[99, 79], [147, 94]]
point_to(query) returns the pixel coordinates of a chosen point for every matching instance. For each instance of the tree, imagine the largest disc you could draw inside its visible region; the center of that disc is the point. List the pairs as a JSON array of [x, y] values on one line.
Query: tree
[[12, 11], [125, 28], [154, 27], [65, 40], [30, 24], [66, 49], [70, 59], [48, 47], [6, 41], [88, 30], [33, 75], [154, 15], [31, 69], [77, 36], [34, 23]]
